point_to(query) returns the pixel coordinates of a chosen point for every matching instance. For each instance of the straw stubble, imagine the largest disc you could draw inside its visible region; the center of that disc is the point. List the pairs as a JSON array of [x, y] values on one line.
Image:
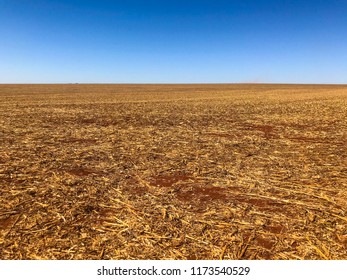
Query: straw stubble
[[173, 172]]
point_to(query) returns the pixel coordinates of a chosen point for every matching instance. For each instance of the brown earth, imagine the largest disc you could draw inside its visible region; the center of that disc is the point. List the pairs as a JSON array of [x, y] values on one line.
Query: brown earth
[[240, 171]]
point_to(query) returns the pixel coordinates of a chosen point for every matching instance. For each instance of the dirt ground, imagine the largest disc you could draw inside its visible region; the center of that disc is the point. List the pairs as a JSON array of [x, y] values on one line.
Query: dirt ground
[[239, 171]]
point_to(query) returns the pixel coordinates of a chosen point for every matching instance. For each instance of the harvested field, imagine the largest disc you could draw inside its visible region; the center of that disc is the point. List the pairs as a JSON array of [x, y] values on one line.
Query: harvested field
[[173, 172]]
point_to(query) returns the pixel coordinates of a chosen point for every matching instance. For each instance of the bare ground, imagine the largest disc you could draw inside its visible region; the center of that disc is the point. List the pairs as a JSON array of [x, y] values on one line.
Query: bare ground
[[173, 172]]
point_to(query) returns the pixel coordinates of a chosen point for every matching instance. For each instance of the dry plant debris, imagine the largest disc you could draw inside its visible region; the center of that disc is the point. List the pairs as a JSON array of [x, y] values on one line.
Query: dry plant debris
[[173, 172]]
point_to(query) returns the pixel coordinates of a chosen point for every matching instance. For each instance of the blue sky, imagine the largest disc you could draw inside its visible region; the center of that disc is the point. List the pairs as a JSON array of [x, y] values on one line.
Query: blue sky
[[173, 41]]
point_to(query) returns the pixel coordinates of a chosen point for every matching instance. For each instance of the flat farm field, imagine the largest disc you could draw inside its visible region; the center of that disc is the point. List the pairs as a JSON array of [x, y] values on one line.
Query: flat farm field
[[239, 171]]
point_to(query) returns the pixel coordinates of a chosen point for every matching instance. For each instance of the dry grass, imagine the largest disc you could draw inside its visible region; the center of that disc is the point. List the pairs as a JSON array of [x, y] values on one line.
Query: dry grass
[[173, 172]]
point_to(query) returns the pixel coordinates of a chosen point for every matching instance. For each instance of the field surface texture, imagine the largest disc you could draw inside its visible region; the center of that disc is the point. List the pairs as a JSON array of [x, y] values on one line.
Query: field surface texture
[[173, 171]]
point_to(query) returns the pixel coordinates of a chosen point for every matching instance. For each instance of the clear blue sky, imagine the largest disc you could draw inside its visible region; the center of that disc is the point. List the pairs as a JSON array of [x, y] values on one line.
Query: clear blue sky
[[173, 41]]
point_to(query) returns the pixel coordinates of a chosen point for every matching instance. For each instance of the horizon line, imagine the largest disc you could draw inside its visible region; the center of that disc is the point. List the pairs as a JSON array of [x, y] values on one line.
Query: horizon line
[[194, 83]]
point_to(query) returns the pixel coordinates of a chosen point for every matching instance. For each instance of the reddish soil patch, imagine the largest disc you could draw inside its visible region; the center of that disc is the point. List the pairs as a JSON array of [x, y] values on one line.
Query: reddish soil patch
[[166, 181], [264, 242], [259, 202], [266, 129], [263, 204], [264, 255], [202, 194], [294, 245], [276, 229], [136, 190], [213, 193], [7, 223]]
